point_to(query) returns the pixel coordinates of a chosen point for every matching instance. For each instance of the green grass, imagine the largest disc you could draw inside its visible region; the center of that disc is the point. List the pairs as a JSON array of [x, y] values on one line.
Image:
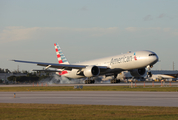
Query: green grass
[[10, 111], [90, 88]]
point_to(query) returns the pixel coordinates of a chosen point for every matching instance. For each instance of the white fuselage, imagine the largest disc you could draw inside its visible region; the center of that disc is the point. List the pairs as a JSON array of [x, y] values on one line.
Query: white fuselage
[[118, 63]]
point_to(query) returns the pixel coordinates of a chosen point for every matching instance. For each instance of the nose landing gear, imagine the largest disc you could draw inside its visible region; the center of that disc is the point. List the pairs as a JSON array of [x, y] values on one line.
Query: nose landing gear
[[149, 74]]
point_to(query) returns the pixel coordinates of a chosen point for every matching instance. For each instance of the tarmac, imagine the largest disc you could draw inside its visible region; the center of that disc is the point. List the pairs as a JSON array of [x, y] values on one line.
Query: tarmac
[[93, 98], [96, 84]]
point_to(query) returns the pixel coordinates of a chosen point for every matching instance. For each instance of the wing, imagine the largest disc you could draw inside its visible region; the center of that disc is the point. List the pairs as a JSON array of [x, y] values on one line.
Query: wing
[[59, 66], [47, 70]]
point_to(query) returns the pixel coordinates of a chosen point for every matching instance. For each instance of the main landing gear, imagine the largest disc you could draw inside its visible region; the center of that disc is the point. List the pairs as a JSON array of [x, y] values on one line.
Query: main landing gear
[[89, 81], [115, 80]]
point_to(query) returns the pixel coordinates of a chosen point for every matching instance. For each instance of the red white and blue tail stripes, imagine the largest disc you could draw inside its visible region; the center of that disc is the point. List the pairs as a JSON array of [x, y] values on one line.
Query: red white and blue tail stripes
[[60, 56]]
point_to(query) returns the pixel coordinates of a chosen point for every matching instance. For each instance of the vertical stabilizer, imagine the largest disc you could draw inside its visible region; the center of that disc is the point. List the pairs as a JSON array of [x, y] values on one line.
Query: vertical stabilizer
[[60, 56]]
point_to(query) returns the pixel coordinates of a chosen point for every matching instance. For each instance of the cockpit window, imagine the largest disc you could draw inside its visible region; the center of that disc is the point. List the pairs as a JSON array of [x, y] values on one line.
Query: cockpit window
[[152, 54]]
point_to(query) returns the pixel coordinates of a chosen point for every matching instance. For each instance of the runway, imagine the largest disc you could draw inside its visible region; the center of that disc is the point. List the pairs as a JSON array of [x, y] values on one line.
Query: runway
[[93, 98], [96, 84]]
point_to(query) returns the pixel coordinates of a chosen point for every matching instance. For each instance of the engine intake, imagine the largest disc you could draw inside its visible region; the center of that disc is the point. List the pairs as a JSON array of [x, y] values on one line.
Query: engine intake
[[91, 71], [138, 72]]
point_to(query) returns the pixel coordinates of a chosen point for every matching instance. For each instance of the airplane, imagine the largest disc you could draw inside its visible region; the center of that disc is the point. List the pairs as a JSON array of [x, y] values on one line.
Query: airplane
[[160, 77], [156, 75], [134, 62]]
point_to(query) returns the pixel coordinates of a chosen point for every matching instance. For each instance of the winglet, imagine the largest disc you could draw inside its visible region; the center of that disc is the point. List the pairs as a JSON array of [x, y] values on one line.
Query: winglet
[[12, 60]]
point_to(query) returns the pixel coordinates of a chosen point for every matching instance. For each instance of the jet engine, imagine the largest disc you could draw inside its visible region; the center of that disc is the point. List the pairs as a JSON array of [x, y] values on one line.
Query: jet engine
[[138, 72], [91, 71]]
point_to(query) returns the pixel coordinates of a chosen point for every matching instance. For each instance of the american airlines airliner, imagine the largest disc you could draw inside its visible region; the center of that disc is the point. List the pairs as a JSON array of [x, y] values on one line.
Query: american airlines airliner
[[134, 62]]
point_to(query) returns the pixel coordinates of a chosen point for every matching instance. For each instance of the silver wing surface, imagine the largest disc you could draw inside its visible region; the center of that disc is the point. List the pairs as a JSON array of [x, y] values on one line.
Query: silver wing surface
[[60, 66]]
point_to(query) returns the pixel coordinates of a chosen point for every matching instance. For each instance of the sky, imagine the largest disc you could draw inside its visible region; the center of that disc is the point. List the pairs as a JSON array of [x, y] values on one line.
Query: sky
[[86, 30]]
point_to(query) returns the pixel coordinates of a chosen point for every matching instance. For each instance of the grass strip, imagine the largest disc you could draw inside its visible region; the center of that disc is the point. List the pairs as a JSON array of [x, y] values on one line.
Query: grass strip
[[12, 111], [90, 88]]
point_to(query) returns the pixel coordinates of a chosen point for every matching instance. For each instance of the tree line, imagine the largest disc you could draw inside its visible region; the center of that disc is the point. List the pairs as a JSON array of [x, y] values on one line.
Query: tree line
[[14, 71], [4, 70], [27, 77], [30, 77]]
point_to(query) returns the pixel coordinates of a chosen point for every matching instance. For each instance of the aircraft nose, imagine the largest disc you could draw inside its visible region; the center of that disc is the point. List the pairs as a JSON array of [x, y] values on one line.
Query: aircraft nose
[[154, 59]]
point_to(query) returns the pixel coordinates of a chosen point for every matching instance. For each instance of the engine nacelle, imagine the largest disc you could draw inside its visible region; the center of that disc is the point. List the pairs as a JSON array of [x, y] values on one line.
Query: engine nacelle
[[91, 71], [138, 72]]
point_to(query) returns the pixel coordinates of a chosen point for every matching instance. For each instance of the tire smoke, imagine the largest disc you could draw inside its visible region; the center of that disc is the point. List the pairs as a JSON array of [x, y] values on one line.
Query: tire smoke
[[55, 79]]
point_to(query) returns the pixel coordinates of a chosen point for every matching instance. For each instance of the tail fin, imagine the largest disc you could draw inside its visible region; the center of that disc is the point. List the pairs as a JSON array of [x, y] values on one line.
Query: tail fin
[[60, 56]]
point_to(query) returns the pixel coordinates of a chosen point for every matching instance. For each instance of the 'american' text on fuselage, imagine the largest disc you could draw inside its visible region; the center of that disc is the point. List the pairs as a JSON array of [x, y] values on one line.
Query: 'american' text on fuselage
[[121, 60]]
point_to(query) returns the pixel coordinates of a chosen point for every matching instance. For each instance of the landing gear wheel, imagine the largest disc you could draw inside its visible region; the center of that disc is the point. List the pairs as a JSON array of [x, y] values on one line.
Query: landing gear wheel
[[114, 81], [89, 81], [111, 81], [118, 81], [149, 74]]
